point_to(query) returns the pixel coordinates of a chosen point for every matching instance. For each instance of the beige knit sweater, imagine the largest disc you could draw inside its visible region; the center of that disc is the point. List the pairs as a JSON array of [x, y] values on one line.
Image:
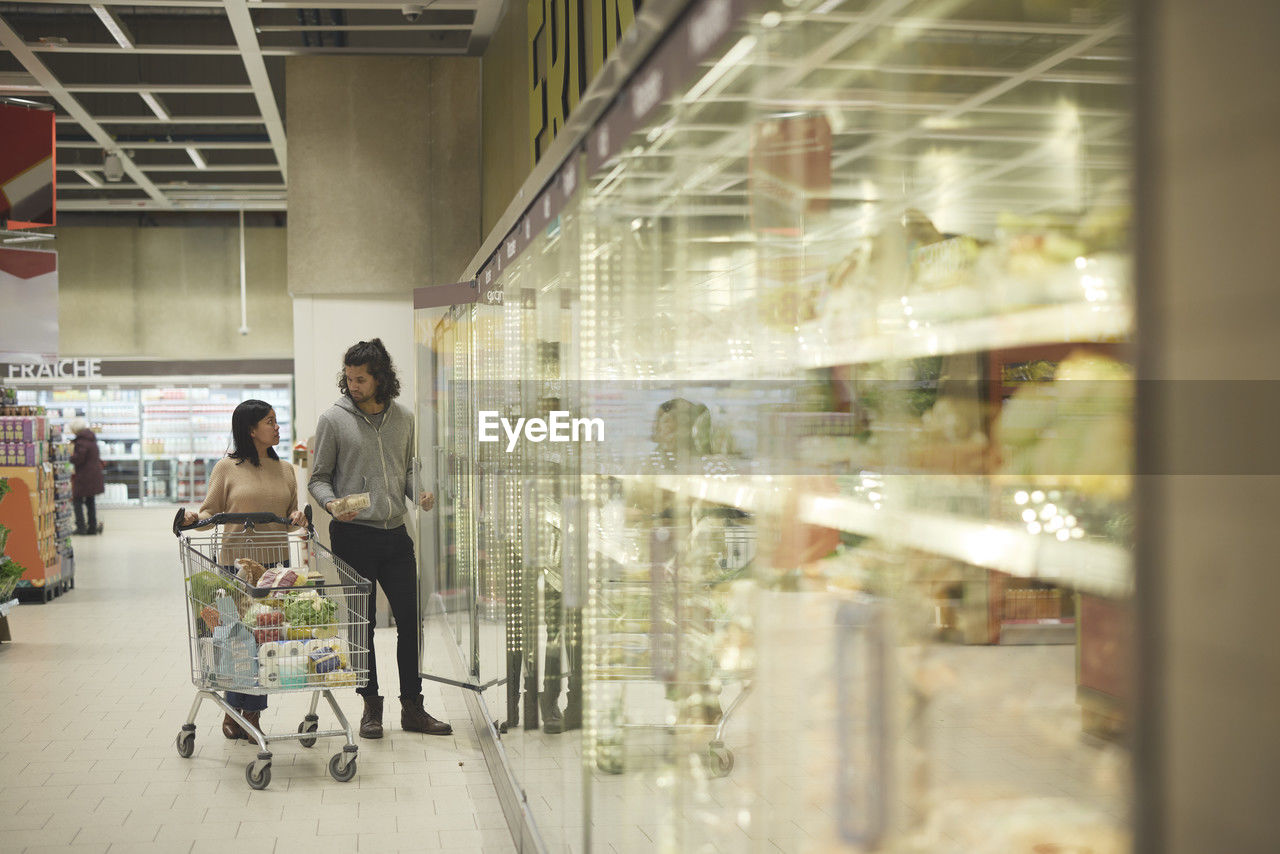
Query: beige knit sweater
[[237, 486]]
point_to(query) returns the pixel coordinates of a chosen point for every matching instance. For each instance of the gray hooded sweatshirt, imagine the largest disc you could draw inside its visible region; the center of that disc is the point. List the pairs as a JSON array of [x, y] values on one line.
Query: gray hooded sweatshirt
[[355, 453]]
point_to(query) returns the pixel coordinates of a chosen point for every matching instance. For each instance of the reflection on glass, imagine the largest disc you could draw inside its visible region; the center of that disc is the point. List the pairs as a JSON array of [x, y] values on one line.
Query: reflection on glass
[[852, 570]]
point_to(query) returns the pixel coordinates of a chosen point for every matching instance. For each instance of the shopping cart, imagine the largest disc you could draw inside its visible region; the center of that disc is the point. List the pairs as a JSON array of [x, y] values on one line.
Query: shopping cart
[[662, 622], [270, 612]]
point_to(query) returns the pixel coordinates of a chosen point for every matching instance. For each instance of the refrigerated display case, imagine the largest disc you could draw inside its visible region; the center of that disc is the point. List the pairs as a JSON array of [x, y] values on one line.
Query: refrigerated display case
[[160, 439], [849, 286]]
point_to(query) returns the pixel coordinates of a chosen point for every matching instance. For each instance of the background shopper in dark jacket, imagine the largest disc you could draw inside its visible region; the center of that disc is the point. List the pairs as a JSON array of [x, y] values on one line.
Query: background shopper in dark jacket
[[86, 483]]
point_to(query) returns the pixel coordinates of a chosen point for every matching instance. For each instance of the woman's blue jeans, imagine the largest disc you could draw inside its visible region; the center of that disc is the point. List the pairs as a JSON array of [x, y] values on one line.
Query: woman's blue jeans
[[247, 702]]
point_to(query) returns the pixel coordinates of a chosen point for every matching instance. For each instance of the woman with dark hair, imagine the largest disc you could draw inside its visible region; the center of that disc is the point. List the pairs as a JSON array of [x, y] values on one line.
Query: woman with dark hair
[[250, 479]]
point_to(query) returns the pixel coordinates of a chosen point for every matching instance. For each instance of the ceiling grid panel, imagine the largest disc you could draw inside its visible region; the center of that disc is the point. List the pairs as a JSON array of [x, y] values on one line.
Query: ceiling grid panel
[[14, 44], [256, 68]]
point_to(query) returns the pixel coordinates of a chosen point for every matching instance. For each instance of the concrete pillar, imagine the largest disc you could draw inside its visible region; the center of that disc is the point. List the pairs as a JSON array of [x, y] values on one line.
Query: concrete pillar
[[384, 172], [1208, 752]]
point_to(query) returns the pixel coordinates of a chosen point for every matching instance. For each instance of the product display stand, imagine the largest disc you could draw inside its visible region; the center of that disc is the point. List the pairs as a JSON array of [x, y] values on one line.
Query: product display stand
[[64, 516], [28, 514]]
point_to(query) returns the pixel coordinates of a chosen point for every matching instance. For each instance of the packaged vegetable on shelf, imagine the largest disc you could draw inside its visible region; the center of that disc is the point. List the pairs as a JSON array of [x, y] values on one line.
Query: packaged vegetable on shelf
[[1074, 432]]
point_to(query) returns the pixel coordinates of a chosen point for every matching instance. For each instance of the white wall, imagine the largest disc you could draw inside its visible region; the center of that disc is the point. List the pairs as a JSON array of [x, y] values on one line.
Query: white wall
[[324, 327]]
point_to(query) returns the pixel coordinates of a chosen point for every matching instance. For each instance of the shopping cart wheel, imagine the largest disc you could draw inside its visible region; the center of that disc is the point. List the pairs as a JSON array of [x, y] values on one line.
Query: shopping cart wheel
[[262, 779], [308, 726], [719, 760], [342, 774], [186, 744]]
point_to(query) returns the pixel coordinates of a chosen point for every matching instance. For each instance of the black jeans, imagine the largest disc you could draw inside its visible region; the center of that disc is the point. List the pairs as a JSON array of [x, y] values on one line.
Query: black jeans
[[386, 558], [82, 504]]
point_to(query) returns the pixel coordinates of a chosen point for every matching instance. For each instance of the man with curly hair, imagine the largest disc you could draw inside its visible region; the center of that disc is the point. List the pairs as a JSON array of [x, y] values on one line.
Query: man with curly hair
[[364, 444]]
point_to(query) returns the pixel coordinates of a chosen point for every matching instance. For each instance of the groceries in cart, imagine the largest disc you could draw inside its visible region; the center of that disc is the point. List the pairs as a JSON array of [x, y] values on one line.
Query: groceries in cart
[[291, 641]]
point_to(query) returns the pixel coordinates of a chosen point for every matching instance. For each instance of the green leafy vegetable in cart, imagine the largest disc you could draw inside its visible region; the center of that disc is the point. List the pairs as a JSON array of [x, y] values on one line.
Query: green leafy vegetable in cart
[[204, 584], [309, 609]]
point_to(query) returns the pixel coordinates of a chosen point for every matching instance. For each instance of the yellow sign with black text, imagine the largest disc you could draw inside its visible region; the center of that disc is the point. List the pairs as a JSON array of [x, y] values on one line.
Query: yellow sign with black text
[[568, 43]]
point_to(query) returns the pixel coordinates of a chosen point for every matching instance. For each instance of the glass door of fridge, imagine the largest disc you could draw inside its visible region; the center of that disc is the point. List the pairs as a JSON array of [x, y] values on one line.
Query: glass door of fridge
[[862, 295], [940, 202], [449, 573]]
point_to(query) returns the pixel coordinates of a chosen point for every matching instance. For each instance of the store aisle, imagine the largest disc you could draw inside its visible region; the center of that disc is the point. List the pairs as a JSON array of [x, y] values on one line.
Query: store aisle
[[96, 685]]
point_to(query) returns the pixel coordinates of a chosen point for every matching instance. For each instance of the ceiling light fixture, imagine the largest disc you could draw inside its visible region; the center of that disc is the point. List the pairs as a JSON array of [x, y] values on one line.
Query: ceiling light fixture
[[735, 55], [196, 158], [156, 107], [89, 177], [114, 25], [112, 167], [23, 102]]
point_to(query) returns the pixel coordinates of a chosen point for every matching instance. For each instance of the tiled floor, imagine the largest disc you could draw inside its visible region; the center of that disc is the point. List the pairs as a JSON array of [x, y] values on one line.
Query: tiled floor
[[93, 691]]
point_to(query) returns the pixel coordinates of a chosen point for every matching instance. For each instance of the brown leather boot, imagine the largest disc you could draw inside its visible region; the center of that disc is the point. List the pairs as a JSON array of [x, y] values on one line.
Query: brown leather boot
[[371, 721], [231, 729], [253, 718], [414, 718], [549, 701]]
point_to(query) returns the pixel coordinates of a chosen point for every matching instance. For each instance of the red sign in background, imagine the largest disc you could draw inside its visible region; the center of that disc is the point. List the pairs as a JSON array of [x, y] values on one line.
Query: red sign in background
[[27, 166]]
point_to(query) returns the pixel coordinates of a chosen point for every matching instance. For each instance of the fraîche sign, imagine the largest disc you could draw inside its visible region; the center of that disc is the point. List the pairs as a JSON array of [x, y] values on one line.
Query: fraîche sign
[[56, 369]]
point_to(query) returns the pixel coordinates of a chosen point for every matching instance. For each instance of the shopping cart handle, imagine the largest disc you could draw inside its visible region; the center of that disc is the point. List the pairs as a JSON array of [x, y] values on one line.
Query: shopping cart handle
[[227, 519]]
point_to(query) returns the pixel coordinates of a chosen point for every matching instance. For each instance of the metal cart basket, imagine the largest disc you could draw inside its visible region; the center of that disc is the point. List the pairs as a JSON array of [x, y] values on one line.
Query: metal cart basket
[[269, 612]]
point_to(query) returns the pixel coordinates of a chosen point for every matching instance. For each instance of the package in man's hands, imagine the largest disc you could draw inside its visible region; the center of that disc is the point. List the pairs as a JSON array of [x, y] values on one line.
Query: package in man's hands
[[350, 504]]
